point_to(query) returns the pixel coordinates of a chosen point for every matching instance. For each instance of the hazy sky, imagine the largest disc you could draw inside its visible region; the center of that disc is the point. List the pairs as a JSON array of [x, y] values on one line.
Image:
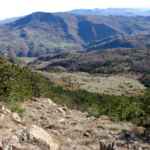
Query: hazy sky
[[12, 8]]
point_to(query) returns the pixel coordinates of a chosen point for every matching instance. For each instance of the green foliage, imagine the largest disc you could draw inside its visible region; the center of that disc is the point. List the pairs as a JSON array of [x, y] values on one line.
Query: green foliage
[[16, 107], [119, 108], [19, 84]]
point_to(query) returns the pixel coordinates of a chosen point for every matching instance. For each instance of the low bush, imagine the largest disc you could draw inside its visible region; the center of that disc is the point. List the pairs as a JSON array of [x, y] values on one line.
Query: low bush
[[119, 108], [19, 84]]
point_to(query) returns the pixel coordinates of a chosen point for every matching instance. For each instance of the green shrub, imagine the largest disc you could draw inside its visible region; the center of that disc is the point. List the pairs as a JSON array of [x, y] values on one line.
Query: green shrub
[[19, 84], [145, 79], [119, 108]]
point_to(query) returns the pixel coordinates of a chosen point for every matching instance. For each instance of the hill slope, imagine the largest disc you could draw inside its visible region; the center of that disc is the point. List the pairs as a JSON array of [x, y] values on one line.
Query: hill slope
[[41, 33], [45, 124], [19, 84], [108, 62], [140, 41]]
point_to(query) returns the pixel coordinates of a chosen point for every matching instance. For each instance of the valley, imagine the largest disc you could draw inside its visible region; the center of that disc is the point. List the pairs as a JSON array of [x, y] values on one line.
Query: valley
[[112, 61]]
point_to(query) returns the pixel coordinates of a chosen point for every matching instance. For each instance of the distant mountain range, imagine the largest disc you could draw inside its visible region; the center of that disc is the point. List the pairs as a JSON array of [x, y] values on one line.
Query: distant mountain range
[[42, 33], [9, 20], [113, 12]]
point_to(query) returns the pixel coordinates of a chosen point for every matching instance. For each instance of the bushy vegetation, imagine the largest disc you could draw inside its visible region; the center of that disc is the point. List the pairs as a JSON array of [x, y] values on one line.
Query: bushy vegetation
[[119, 108], [19, 84], [145, 79], [112, 61]]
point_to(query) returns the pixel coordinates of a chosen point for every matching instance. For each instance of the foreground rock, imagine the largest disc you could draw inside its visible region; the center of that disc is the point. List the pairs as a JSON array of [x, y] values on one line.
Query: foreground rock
[[47, 126], [40, 136], [29, 139]]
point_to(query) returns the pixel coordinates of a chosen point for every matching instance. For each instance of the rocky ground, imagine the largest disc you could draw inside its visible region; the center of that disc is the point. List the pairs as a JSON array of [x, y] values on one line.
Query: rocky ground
[[47, 126]]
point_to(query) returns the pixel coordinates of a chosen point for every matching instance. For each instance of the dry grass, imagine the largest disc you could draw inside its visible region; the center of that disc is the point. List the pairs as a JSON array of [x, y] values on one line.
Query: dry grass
[[111, 85]]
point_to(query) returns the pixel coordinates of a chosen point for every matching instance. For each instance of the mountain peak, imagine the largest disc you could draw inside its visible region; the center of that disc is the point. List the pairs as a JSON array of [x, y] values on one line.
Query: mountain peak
[[34, 18], [40, 14]]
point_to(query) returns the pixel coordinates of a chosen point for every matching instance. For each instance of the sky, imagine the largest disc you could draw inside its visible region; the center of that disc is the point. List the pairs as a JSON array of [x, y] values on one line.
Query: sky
[[13, 8]]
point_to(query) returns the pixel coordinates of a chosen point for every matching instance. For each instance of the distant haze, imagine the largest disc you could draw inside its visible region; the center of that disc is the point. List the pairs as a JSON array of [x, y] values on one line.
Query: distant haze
[[13, 8]]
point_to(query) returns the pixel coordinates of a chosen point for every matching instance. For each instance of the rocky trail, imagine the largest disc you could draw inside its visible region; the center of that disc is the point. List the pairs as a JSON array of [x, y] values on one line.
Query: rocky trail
[[45, 125]]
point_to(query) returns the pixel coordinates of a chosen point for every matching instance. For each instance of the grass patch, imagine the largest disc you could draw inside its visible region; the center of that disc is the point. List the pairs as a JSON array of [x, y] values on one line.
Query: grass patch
[[16, 107]]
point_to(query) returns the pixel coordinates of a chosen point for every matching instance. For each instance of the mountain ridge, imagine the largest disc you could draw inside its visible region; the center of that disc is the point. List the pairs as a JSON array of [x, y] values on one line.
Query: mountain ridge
[[113, 11], [42, 33]]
